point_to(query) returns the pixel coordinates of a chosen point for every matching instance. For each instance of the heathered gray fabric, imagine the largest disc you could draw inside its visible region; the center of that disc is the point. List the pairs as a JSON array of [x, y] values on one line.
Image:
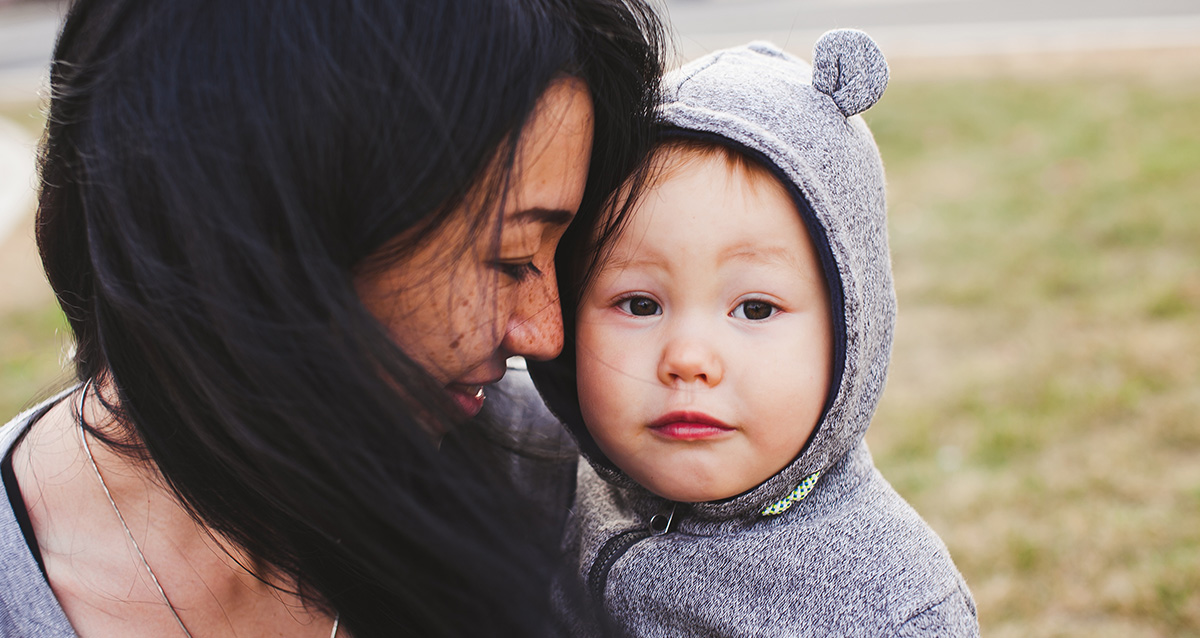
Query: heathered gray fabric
[[852, 559], [28, 608]]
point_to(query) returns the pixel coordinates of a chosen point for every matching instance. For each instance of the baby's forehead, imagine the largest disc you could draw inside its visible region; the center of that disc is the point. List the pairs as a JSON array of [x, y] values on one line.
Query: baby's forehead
[[673, 155], [724, 172], [727, 203]]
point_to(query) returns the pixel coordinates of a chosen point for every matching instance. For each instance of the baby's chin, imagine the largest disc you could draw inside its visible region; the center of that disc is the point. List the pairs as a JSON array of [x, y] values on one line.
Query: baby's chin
[[689, 491]]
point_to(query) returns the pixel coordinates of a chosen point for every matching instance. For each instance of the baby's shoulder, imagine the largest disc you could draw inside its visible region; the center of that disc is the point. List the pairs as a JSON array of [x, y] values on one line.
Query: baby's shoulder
[[868, 525], [871, 551]]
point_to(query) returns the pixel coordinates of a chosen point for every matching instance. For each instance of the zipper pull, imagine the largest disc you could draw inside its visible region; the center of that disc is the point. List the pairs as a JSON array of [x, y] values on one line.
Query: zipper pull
[[661, 522]]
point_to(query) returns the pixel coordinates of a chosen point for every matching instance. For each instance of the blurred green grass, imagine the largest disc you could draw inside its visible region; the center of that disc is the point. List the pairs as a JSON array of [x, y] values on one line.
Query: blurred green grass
[[32, 343], [1042, 406], [33, 332]]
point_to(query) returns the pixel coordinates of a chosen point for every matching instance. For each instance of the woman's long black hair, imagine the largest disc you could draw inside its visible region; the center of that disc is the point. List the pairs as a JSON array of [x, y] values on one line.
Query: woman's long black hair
[[213, 174]]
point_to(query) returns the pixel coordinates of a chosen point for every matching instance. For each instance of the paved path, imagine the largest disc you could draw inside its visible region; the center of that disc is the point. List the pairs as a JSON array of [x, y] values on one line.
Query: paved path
[[17, 170], [27, 33]]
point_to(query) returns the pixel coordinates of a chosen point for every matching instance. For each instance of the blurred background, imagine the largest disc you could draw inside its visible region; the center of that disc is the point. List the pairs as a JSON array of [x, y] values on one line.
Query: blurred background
[[1043, 406]]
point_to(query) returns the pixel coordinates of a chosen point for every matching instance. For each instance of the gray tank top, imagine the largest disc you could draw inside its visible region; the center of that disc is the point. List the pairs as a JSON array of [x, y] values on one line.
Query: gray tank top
[[28, 608]]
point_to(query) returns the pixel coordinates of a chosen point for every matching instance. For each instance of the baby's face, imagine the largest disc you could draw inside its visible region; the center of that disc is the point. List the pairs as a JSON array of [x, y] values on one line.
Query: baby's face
[[704, 345]]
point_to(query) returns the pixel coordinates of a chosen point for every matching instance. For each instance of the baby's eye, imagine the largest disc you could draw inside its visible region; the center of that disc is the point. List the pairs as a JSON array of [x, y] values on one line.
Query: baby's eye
[[640, 306], [754, 310]]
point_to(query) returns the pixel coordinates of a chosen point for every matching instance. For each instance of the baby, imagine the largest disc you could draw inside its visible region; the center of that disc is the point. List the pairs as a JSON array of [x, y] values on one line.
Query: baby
[[730, 350]]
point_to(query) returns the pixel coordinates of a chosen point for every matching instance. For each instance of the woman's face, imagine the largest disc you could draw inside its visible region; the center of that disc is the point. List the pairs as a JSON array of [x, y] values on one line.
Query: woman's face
[[461, 304]]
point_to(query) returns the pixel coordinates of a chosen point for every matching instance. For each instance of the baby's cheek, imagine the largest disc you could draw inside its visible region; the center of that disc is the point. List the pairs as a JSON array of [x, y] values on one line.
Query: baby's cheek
[[597, 346], [592, 377]]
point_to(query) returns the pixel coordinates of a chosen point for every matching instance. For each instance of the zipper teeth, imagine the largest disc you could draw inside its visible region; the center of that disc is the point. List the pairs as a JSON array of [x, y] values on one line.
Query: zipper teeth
[[612, 550]]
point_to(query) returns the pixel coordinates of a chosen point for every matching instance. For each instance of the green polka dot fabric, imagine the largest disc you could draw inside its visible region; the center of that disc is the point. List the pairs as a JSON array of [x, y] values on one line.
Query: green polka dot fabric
[[796, 496]]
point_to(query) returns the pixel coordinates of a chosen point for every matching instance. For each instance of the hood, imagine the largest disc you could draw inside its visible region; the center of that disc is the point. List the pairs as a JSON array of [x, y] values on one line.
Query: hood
[[802, 123]]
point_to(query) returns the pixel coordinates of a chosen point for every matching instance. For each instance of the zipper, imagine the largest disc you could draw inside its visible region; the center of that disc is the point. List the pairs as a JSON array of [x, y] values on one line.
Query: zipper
[[612, 549], [615, 547]]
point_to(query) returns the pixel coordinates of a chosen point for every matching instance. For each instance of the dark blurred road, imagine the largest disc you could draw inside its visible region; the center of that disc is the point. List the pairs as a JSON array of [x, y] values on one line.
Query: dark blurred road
[[942, 27], [707, 16]]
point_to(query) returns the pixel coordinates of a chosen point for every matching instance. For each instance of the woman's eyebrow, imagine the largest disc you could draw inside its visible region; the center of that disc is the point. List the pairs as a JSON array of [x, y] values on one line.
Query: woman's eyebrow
[[553, 216]]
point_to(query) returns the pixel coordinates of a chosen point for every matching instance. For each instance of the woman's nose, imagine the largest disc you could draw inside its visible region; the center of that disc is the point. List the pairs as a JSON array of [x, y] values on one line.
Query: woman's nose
[[689, 360], [535, 327]]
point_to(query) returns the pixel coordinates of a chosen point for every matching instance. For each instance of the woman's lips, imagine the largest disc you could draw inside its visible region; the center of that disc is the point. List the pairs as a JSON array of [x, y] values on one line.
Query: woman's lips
[[469, 398], [689, 426], [468, 391]]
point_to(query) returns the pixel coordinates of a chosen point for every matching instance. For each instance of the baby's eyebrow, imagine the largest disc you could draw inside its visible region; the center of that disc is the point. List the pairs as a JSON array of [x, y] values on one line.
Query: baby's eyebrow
[[747, 252], [639, 261], [773, 255]]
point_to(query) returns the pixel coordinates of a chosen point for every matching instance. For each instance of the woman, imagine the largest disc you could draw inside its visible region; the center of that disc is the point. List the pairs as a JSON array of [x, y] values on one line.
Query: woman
[[294, 241]]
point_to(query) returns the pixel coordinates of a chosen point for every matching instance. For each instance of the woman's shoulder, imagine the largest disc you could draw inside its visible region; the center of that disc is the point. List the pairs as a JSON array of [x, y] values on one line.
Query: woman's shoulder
[[28, 608]]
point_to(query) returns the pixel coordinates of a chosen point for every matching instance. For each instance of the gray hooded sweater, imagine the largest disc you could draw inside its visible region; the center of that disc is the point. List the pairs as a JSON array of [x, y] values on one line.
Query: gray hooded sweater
[[825, 547]]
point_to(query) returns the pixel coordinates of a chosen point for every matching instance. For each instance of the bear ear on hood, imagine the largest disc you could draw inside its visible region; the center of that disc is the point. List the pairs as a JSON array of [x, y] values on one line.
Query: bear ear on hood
[[849, 67]]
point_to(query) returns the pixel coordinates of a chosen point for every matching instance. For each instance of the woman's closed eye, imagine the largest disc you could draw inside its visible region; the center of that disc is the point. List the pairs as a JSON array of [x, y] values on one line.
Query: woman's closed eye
[[754, 310], [639, 306], [519, 271]]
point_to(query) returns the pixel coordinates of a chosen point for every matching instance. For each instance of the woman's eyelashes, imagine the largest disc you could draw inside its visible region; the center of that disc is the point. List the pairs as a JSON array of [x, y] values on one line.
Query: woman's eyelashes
[[518, 271]]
